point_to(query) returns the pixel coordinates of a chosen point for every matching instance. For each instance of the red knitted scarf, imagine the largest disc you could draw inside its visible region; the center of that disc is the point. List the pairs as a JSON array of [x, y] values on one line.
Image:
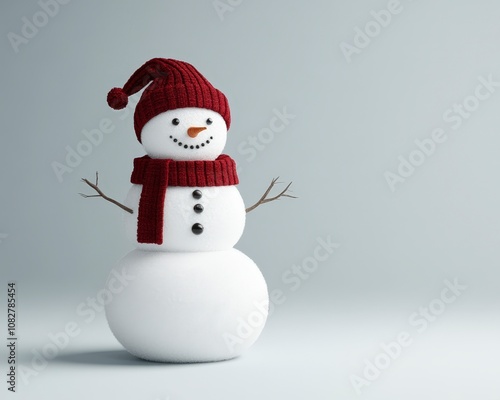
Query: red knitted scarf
[[156, 175]]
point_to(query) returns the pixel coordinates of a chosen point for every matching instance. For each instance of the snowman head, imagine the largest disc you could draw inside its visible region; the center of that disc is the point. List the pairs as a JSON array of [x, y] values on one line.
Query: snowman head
[[185, 134], [180, 115]]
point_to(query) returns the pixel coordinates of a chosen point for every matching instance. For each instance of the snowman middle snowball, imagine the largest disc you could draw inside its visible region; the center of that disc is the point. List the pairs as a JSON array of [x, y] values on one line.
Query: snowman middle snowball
[[189, 134]]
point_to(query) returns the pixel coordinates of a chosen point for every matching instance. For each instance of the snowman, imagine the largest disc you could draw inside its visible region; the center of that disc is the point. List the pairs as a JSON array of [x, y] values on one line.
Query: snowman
[[192, 297]]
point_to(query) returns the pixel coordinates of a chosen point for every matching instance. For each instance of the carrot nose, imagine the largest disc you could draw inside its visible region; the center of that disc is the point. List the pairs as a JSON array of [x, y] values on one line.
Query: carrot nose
[[194, 130]]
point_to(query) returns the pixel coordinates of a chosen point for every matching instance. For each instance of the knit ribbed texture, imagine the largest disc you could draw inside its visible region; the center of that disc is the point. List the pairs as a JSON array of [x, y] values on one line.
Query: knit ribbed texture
[[157, 174], [172, 84]]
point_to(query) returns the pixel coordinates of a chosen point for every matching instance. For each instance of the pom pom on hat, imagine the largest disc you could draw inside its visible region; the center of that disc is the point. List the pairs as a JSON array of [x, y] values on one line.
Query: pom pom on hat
[[117, 98]]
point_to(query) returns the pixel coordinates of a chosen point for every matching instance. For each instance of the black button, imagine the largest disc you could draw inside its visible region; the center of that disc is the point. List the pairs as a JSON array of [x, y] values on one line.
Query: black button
[[198, 208], [197, 228], [197, 194]]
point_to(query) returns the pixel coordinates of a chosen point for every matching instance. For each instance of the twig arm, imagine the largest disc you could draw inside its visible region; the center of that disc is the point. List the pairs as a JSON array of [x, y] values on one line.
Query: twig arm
[[264, 199], [101, 194]]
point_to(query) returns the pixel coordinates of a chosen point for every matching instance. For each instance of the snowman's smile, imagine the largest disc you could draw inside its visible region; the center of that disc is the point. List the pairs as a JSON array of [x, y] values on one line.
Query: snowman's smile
[[191, 146]]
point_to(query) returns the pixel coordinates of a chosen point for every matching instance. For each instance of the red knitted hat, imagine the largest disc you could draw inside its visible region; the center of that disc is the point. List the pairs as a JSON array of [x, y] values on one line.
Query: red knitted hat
[[174, 84]]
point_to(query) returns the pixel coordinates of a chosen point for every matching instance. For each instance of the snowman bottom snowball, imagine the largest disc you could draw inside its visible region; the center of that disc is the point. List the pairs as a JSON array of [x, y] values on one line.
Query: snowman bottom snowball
[[188, 307]]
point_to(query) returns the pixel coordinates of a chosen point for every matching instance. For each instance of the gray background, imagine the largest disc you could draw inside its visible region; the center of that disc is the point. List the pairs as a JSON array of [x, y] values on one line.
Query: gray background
[[352, 122]]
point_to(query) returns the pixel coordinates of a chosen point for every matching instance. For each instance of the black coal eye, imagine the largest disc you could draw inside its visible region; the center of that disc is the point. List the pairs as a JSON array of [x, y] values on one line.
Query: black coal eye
[[175, 121], [209, 121]]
